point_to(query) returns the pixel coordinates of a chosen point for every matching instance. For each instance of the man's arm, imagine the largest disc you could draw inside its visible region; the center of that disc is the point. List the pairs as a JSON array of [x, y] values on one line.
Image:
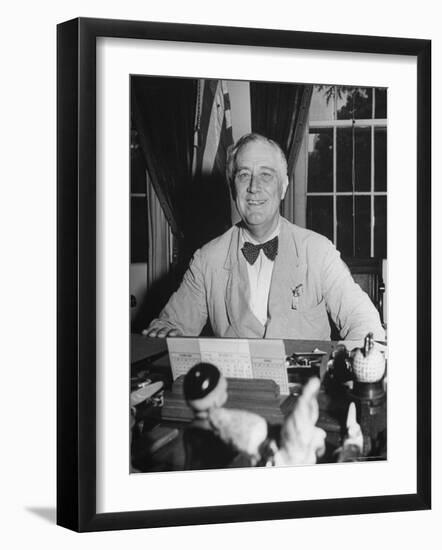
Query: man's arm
[[349, 306], [186, 311]]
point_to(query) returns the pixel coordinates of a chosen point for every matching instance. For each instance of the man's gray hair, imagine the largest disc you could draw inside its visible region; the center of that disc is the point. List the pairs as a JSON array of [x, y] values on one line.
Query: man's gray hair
[[234, 149]]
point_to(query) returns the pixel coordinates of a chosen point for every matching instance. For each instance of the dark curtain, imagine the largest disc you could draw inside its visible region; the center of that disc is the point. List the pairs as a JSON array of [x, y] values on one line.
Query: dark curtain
[[280, 112], [197, 210], [163, 112]]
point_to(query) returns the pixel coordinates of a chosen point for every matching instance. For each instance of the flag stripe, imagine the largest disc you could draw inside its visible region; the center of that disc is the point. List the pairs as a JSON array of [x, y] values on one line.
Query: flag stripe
[[226, 137], [214, 131], [221, 152], [209, 90], [196, 129], [213, 127]]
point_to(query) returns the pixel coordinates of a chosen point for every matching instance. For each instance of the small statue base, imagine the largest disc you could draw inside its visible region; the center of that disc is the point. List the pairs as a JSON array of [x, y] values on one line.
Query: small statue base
[[369, 391], [371, 402]]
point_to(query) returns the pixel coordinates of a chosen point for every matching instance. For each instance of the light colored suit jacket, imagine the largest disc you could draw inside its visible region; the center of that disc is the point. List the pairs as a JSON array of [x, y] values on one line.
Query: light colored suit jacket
[[216, 287]]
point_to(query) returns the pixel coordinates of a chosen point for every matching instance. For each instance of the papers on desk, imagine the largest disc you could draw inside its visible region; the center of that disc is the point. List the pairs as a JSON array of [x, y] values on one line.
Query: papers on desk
[[235, 358]]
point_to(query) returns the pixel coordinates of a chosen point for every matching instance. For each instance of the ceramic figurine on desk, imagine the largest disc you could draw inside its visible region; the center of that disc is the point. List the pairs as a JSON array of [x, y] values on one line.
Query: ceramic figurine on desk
[[297, 441], [368, 368], [368, 365], [218, 436], [205, 390], [353, 445], [244, 430], [301, 440]]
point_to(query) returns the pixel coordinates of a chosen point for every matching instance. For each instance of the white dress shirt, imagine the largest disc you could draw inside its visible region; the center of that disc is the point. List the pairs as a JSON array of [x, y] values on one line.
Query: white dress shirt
[[260, 277]]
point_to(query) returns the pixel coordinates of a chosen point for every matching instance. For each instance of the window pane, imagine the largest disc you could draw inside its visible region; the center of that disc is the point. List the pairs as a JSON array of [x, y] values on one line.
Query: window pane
[[380, 159], [380, 105], [362, 227], [344, 103], [322, 103], [320, 215], [363, 103], [362, 159], [380, 227], [344, 159], [357, 226], [344, 209], [353, 103], [320, 160], [138, 229]]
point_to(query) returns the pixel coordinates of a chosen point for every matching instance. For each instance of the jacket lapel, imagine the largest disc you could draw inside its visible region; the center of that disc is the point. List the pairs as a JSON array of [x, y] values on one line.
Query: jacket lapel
[[288, 273], [244, 324]]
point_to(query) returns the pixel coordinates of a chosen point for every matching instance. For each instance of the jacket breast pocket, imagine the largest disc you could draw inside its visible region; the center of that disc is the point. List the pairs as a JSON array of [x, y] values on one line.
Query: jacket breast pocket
[[314, 311], [311, 322]]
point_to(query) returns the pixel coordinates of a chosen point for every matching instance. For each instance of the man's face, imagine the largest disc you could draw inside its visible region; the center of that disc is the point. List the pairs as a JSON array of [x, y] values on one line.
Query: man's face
[[260, 186]]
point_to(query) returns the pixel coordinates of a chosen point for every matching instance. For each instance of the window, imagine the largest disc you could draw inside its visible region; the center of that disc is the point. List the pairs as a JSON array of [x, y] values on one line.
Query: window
[[347, 168]]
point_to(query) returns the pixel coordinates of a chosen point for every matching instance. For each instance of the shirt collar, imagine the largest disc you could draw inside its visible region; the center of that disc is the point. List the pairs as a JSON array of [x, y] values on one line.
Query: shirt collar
[[245, 235]]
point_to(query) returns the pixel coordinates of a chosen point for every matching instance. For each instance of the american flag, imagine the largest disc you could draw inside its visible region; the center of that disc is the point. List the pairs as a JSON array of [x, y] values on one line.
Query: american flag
[[213, 128]]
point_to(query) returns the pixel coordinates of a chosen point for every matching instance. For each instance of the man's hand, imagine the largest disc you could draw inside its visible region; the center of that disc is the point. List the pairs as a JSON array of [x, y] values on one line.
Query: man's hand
[[156, 330]]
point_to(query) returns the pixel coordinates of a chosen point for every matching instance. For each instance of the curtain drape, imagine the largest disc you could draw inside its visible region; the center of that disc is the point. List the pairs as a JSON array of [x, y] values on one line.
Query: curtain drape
[[158, 238], [158, 282], [163, 111]]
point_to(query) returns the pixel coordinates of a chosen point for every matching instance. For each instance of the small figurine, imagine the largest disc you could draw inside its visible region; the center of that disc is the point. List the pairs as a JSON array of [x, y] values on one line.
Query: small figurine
[[218, 436], [353, 445], [205, 390], [368, 362], [301, 440], [244, 430], [230, 431]]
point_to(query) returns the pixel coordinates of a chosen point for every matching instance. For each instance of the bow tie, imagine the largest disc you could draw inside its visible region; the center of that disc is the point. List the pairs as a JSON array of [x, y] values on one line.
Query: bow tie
[[251, 251]]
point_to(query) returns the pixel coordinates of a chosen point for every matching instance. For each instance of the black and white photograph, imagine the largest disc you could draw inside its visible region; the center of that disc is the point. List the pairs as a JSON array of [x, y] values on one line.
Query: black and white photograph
[[258, 273], [220, 291], [240, 338]]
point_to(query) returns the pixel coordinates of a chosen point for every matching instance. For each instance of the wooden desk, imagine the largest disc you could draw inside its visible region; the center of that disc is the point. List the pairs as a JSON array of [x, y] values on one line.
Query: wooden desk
[[151, 354]]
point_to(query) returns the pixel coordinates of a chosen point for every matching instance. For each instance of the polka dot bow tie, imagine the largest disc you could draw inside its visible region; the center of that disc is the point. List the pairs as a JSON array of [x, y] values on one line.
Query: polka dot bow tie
[[251, 251]]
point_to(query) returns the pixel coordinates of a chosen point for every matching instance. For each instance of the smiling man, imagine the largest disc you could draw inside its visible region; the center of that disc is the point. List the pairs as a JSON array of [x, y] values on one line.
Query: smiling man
[[258, 174], [265, 277]]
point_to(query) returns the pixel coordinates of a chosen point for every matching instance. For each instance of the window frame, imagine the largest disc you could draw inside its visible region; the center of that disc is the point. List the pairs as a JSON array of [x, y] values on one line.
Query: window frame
[[334, 124]]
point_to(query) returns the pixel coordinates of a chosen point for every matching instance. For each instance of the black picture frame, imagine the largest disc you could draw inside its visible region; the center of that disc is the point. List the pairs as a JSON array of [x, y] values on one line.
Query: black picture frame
[[76, 273]]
